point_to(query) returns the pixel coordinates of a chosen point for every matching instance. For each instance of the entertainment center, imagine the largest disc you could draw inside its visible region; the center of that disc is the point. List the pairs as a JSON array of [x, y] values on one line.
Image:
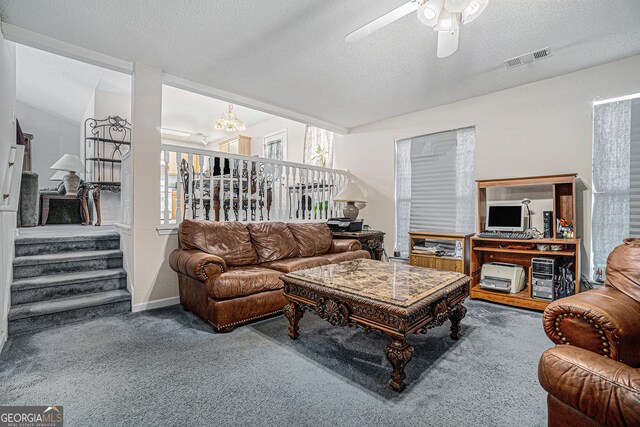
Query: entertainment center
[[565, 251]]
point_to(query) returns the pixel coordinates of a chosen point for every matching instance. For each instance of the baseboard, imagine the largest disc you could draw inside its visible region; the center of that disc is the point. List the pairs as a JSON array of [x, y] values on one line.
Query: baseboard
[[150, 305]]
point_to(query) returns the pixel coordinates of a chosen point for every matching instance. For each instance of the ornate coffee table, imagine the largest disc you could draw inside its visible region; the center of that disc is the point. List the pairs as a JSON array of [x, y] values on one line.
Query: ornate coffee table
[[390, 298]]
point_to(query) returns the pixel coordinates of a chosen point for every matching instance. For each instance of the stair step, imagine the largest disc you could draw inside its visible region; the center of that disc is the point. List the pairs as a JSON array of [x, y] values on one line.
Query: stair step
[[69, 262], [40, 245], [33, 289], [46, 314]]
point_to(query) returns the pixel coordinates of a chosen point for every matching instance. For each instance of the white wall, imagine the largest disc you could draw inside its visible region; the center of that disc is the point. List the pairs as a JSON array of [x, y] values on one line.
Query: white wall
[[52, 138], [112, 104], [7, 138], [295, 137], [153, 280], [536, 129]]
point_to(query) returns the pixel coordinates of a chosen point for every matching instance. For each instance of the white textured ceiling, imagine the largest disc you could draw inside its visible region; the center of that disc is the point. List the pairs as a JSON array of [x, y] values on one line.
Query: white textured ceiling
[[61, 86], [194, 113], [292, 54]]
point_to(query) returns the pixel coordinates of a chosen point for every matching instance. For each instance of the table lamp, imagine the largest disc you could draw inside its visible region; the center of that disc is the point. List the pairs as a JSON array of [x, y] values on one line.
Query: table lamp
[[350, 194], [71, 164]]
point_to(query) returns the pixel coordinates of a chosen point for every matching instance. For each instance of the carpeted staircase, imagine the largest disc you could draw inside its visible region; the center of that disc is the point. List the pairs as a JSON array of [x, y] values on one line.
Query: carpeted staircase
[[63, 279]]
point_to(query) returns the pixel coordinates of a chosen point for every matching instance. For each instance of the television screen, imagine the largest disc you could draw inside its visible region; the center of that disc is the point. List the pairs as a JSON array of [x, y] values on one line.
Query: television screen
[[505, 217]]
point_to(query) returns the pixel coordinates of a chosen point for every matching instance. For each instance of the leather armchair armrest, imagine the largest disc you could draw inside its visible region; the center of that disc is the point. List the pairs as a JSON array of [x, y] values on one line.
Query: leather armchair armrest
[[197, 264], [604, 321], [344, 245], [603, 389]]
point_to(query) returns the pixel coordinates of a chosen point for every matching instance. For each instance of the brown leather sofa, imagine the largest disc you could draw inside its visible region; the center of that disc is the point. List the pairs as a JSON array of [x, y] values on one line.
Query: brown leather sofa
[[592, 375], [229, 272]]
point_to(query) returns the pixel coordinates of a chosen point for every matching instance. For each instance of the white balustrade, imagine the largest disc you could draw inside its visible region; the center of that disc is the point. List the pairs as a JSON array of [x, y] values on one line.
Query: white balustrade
[[217, 186]]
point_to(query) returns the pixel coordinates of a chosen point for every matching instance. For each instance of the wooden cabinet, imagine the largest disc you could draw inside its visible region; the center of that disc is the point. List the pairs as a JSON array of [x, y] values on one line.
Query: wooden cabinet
[[457, 261], [502, 250], [562, 189], [236, 145]]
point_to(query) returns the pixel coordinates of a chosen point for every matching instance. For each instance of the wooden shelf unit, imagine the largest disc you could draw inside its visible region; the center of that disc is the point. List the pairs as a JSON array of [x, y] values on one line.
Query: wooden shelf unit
[[421, 259], [486, 250], [563, 188]]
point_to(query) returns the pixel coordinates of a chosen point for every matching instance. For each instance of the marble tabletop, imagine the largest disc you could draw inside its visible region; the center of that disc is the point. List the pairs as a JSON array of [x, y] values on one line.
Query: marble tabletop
[[389, 282]]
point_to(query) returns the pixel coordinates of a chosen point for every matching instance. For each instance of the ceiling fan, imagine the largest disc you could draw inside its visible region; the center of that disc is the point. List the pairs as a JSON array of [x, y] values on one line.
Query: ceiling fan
[[445, 16]]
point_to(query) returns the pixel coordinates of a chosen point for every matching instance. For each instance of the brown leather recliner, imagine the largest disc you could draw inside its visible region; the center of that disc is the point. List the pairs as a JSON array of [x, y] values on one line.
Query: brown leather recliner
[[592, 375], [229, 272]]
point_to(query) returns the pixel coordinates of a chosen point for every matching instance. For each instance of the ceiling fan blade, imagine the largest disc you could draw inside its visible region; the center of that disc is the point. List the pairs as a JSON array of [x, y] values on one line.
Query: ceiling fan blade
[[383, 21], [447, 42]]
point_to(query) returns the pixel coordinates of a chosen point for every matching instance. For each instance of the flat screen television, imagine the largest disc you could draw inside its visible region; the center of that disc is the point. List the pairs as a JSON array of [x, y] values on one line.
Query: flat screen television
[[505, 216]]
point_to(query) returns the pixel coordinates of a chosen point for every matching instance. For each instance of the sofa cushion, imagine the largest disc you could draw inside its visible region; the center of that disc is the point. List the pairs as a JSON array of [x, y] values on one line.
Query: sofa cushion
[[346, 256], [312, 239], [294, 264], [273, 241], [242, 281], [230, 241]]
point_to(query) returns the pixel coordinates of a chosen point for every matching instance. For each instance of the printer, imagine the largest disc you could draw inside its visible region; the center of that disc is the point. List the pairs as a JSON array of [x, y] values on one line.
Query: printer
[[345, 224], [502, 276]]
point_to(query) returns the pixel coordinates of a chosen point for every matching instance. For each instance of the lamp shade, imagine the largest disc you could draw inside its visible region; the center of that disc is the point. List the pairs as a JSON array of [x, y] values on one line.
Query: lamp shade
[[58, 176], [69, 163], [350, 193]]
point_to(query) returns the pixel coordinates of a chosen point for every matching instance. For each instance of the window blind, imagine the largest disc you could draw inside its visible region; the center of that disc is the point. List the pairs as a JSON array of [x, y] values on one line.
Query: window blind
[[435, 184], [634, 179], [616, 177]]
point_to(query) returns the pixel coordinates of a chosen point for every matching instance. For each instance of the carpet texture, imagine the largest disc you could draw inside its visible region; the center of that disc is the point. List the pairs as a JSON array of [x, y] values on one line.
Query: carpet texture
[[166, 367]]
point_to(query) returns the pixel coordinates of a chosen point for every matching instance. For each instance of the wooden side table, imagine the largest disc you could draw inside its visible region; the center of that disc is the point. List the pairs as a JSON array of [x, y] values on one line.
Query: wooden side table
[[371, 240], [46, 199]]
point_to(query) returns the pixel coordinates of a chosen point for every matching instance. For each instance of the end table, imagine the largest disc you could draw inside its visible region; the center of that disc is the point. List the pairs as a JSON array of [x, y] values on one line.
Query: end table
[[371, 240]]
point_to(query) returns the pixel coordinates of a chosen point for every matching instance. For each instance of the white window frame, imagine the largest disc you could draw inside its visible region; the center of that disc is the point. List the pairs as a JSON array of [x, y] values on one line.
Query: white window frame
[[273, 137]]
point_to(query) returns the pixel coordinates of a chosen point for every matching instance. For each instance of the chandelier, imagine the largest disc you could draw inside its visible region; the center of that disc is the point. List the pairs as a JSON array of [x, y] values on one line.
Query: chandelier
[[229, 121]]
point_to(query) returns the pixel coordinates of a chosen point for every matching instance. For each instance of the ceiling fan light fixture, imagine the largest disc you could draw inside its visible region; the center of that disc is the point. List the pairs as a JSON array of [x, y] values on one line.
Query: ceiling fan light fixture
[[456, 6], [473, 10], [448, 22], [429, 12]]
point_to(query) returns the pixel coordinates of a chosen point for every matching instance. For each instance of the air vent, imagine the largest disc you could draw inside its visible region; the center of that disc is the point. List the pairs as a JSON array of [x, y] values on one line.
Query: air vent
[[528, 58]]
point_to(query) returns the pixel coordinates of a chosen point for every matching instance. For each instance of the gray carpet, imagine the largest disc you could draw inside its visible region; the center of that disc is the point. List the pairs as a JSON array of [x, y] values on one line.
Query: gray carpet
[[166, 367]]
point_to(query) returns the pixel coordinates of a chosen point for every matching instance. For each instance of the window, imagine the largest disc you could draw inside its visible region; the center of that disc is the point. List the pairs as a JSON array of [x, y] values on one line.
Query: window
[[318, 147], [616, 177], [435, 184], [275, 145]]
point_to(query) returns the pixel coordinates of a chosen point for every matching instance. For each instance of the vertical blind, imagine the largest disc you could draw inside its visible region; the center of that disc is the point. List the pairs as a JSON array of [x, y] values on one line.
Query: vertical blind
[[435, 184], [616, 177]]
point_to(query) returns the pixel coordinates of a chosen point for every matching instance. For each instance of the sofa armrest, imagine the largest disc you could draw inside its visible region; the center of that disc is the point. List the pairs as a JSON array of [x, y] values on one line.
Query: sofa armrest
[[603, 389], [344, 245], [196, 264], [604, 321]]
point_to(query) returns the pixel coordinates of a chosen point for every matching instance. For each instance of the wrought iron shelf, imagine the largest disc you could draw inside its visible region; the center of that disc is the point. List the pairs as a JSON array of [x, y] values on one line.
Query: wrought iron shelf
[[100, 159], [106, 142], [103, 183], [113, 141]]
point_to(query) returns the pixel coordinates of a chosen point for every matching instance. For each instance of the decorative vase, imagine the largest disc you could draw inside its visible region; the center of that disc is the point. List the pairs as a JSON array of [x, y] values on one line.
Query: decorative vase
[[71, 183], [350, 211]]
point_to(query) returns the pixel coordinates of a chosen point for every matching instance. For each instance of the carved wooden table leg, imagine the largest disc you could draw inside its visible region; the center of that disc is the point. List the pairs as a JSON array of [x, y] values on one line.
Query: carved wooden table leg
[[293, 312], [45, 211], [457, 314], [82, 194], [399, 353], [95, 193]]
